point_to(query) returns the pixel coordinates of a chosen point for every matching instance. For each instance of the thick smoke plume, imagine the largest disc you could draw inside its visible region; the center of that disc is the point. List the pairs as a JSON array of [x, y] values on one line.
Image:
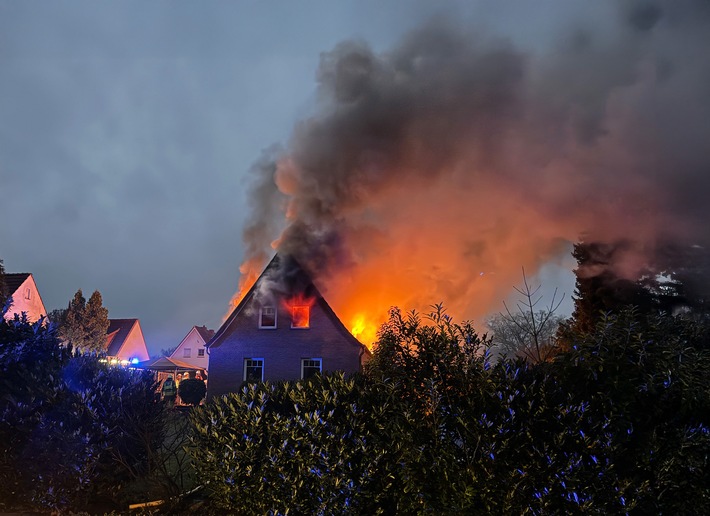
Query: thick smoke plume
[[435, 170]]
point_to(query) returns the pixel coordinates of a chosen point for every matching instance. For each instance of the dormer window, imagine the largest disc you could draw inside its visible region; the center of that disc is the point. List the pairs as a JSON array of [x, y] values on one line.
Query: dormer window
[[267, 317], [300, 316]]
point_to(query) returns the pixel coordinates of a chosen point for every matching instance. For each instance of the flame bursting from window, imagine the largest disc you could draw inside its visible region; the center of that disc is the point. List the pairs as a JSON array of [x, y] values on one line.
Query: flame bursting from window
[[299, 306], [300, 316]]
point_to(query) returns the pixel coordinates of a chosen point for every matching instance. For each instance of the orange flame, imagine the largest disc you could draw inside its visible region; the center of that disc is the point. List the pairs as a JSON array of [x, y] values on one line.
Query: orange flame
[[249, 273], [364, 329], [300, 308], [358, 325]]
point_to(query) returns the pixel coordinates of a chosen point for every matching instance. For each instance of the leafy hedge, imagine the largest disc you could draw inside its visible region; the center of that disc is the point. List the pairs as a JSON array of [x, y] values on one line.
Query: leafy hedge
[[73, 431], [617, 425]]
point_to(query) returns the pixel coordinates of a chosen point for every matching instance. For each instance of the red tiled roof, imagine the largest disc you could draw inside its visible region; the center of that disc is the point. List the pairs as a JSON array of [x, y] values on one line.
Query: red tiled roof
[[205, 333], [118, 330]]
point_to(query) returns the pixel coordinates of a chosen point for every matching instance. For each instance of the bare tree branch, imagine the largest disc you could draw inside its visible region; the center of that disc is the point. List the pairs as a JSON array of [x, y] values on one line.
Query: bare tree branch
[[528, 331]]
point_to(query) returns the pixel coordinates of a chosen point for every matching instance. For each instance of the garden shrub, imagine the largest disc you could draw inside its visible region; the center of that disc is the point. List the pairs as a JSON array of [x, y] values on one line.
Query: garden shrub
[[192, 391], [619, 424], [74, 431]]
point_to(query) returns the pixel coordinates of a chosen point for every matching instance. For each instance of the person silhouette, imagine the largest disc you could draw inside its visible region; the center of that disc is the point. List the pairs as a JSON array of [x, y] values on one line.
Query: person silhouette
[[169, 391]]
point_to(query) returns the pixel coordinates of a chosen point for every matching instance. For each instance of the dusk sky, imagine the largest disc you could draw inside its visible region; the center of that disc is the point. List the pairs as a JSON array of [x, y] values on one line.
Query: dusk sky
[[127, 131]]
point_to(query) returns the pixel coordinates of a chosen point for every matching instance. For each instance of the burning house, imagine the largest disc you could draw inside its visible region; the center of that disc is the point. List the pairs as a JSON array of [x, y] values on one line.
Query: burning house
[[282, 329]]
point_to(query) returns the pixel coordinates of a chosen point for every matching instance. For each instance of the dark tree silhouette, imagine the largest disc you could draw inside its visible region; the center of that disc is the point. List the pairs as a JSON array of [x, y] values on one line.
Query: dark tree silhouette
[[4, 294], [84, 324], [192, 391]]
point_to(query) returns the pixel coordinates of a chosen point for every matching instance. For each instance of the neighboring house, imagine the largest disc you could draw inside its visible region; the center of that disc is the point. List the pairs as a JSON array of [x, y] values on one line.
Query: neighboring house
[[192, 348], [283, 329], [25, 296], [124, 341]]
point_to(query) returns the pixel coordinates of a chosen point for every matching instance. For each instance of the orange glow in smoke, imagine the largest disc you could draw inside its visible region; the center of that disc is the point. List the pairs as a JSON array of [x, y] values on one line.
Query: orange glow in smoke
[[469, 259], [249, 271], [446, 194], [439, 255]]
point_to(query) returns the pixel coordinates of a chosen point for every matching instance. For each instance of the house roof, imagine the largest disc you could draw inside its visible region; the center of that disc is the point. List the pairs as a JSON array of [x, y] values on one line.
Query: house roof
[[205, 333], [294, 278], [117, 333], [167, 364], [14, 280]]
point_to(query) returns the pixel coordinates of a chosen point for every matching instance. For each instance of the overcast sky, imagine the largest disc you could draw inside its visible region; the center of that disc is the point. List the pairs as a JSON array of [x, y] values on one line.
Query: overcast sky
[[127, 129]]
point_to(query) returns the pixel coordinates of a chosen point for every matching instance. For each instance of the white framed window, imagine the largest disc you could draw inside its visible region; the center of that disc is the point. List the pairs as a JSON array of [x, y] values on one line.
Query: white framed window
[[186, 352], [201, 352], [253, 369], [310, 367], [301, 317], [267, 317]]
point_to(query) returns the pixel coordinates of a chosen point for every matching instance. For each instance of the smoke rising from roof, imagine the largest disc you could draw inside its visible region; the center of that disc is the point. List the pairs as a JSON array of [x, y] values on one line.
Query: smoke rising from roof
[[435, 170]]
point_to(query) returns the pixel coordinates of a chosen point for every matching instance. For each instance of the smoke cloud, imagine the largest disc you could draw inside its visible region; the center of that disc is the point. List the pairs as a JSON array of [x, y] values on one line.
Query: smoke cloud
[[435, 170]]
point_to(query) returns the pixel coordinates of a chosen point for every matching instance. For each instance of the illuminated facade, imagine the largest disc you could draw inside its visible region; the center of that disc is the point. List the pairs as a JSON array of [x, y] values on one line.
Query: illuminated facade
[[125, 342], [25, 296]]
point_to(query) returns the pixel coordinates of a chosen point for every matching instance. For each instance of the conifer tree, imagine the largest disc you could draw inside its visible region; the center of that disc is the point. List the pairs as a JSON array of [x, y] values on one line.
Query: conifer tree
[[95, 323], [85, 324], [673, 279], [72, 329]]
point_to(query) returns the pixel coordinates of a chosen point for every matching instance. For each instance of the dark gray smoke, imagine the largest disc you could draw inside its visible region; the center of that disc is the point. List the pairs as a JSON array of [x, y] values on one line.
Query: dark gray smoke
[[454, 157]]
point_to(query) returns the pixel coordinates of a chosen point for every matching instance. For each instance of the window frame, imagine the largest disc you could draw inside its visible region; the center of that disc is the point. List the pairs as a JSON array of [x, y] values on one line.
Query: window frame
[[186, 352], [261, 318], [311, 359], [246, 366], [201, 352]]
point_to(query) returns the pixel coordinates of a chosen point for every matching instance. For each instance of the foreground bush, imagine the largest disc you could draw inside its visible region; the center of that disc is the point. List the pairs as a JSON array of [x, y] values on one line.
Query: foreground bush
[[617, 425], [73, 432], [192, 391]]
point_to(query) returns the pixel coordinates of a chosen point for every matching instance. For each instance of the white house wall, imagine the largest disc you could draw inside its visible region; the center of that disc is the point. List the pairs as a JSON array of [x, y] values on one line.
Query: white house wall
[[134, 346], [193, 342], [27, 299]]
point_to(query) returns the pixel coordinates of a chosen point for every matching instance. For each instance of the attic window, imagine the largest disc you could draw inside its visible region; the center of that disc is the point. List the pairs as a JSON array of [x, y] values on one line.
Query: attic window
[[300, 316], [201, 352], [28, 293], [267, 317]]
